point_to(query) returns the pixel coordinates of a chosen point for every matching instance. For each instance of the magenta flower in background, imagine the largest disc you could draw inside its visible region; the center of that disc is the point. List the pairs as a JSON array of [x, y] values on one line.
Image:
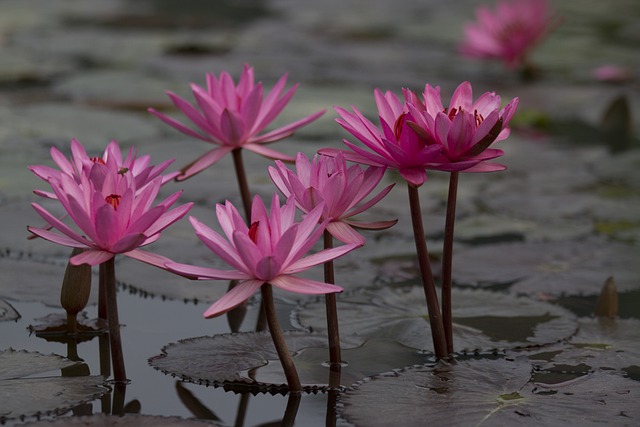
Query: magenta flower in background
[[232, 116], [271, 250], [81, 164], [326, 180], [509, 32], [113, 215], [465, 129], [395, 145]]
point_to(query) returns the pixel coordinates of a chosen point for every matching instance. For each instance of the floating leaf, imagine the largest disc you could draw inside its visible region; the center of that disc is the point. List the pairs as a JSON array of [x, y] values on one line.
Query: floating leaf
[[127, 420], [24, 393], [53, 327], [229, 359], [480, 319], [490, 392], [552, 268]]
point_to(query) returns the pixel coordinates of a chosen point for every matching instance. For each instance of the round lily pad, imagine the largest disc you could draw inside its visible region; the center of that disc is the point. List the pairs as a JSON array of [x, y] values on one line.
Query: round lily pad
[[27, 391], [490, 392], [229, 359], [482, 320], [7, 312]]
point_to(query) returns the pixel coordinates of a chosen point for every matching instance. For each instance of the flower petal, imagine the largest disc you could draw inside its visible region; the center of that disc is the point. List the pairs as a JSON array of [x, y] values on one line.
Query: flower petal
[[236, 296], [303, 286]]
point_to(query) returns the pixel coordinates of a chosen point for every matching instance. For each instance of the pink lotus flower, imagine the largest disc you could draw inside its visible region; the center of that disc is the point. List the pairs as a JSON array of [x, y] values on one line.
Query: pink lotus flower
[[113, 215], [509, 32], [233, 116], [395, 146], [81, 164], [465, 129], [328, 181], [271, 250]]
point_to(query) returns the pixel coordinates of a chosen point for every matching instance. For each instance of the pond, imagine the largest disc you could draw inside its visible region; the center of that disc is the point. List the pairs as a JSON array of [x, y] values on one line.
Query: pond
[[539, 247]]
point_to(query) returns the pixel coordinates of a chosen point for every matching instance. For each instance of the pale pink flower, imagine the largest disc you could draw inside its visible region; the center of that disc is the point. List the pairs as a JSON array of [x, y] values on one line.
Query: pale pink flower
[[342, 189], [465, 129], [231, 116], [270, 250], [509, 32], [613, 73], [112, 214], [81, 163], [395, 145]]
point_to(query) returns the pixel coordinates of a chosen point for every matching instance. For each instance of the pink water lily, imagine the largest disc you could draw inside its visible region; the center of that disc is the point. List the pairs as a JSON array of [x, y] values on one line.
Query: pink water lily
[[465, 129], [112, 214], [81, 164], [509, 32], [232, 116], [395, 145], [326, 180], [271, 250]]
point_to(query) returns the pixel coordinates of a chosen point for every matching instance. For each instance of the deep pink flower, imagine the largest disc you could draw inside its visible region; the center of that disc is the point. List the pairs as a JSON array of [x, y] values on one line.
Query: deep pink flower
[[509, 32], [112, 214], [270, 250], [342, 189], [233, 116], [465, 129], [81, 164], [395, 145]]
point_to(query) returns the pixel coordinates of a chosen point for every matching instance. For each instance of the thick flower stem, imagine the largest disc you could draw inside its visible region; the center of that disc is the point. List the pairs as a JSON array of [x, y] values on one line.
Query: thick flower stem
[[278, 340], [435, 318], [333, 331], [447, 260], [102, 293], [243, 184], [108, 275]]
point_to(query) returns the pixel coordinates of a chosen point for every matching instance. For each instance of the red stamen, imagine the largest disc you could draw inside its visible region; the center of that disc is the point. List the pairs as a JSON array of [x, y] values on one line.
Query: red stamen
[[113, 200], [253, 232], [98, 160], [397, 127], [478, 117]]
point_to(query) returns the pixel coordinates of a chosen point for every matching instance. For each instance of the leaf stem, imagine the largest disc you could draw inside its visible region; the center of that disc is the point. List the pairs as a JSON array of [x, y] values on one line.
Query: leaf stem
[[243, 184], [435, 318], [278, 340]]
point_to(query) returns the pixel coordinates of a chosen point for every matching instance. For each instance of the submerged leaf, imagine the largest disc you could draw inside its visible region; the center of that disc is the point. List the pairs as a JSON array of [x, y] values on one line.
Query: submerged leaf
[[24, 393], [7, 312], [127, 420], [492, 393], [482, 320], [551, 268]]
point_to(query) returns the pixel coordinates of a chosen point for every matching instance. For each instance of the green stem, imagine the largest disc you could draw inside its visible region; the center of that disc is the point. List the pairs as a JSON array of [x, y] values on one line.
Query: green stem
[[108, 280], [435, 318], [333, 330], [102, 294], [243, 184], [447, 261], [278, 340]]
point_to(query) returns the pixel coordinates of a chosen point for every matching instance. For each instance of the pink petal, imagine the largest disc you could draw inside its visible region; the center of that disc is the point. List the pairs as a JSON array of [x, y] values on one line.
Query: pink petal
[[345, 233], [287, 130], [303, 286], [58, 238], [201, 163], [268, 153], [202, 273], [414, 176], [373, 225], [233, 298], [319, 258], [91, 257]]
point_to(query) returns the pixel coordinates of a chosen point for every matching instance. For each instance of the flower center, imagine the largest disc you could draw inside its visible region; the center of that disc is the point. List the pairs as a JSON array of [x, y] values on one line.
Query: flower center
[[397, 127], [253, 231], [113, 200], [478, 118], [98, 160]]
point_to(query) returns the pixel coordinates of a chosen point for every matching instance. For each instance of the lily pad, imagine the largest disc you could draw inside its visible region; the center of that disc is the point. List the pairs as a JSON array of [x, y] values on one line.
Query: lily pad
[[25, 391], [490, 392], [482, 320], [229, 359], [53, 327], [7, 312], [127, 420], [549, 268]]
